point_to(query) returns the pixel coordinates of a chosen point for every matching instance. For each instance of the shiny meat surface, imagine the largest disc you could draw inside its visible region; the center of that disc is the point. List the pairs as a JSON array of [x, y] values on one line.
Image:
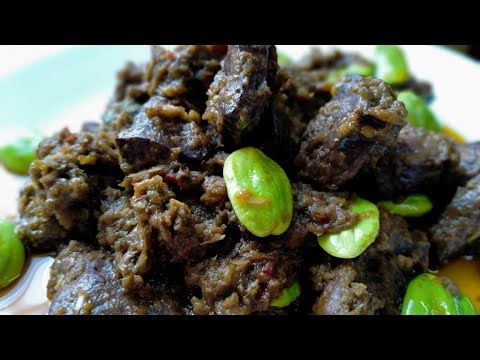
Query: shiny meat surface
[[459, 225], [83, 282], [351, 131]]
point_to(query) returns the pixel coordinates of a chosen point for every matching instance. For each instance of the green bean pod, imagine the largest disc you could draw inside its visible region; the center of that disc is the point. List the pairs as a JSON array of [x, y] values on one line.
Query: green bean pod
[[260, 192], [12, 253], [391, 64], [288, 295], [360, 69], [426, 295], [283, 59], [415, 205], [419, 114], [18, 155], [350, 243]]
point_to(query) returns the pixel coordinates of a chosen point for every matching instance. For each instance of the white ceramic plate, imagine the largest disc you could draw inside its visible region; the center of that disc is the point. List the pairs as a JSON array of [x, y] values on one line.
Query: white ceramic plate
[[75, 82]]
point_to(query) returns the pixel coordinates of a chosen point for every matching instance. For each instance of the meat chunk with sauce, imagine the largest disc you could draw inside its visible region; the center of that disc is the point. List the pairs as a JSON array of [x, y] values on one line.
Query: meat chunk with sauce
[[245, 281], [184, 73], [375, 282], [147, 223], [241, 91], [420, 161], [353, 130], [317, 213], [83, 282], [164, 131], [341, 294], [63, 198], [469, 165], [459, 224]]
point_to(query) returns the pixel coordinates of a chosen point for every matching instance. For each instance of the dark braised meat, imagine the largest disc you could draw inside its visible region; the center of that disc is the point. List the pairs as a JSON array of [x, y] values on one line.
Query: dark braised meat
[[83, 282], [459, 225], [130, 93], [420, 161], [119, 230], [185, 73], [469, 165], [179, 226], [243, 282], [351, 131], [119, 115], [341, 293], [317, 213], [241, 92], [376, 281], [132, 83], [163, 131], [63, 198]]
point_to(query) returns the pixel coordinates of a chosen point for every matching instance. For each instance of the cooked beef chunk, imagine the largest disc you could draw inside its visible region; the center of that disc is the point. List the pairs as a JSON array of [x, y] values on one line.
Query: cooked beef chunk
[[243, 282], [119, 230], [214, 165], [317, 213], [162, 132], [341, 295], [37, 225], [177, 227], [84, 149], [132, 84], [215, 192], [308, 88], [298, 99], [119, 115], [83, 282], [145, 224], [376, 281], [469, 165], [421, 161], [130, 93], [396, 255], [353, 130], [177, 175], [185, 73], [459, 225], [169, 124], [241, 92], [307, 92], [64, 196]]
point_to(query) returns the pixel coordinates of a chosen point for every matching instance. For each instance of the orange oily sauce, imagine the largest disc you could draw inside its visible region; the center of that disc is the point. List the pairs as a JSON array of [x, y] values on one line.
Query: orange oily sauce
[[465, 273], [449, 132]]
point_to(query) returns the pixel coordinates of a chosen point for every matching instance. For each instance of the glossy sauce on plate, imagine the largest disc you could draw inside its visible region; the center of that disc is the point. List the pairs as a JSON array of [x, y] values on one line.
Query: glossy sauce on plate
[[28, 295]]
